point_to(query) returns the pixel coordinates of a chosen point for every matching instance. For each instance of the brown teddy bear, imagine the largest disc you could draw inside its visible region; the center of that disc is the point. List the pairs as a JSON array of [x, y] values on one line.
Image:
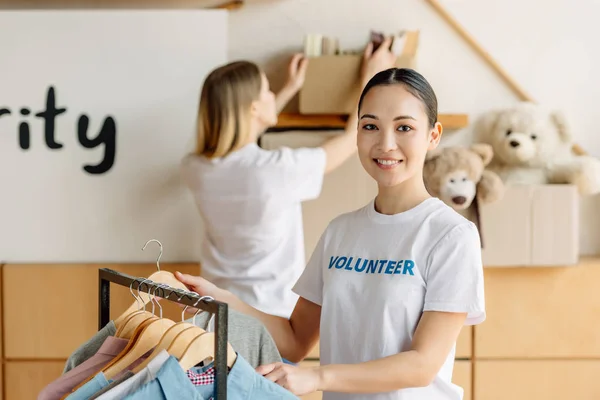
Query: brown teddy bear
[[457, 176]]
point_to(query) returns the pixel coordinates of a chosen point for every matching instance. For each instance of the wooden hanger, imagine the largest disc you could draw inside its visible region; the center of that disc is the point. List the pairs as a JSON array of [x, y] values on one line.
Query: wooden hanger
[[164, 343], [167, 339], [183, 340], [148, 338], [164, 277], [159, 276], [201, 348]]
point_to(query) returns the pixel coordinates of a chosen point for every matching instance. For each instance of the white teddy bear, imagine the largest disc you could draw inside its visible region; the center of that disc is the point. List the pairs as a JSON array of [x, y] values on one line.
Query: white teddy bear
[[533, 145]]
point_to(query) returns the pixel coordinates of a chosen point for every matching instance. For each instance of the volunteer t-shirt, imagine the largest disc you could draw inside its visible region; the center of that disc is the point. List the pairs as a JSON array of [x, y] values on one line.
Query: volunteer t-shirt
[[250, 204], [374, 275]]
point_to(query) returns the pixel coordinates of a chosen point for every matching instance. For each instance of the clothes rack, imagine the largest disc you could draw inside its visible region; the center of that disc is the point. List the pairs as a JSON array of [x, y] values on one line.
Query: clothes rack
[[220, 309]]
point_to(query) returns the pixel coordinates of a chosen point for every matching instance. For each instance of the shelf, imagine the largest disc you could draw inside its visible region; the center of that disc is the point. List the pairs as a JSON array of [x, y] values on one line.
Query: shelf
[[291, 121], [120, 4]]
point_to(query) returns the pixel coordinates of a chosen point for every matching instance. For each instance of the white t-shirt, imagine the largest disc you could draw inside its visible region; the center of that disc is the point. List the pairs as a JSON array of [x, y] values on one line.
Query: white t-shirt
[[374, 275], [250, 203]]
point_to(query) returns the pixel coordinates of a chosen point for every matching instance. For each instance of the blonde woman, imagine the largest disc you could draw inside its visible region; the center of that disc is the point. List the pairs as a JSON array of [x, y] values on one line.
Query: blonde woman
[[249, 198]]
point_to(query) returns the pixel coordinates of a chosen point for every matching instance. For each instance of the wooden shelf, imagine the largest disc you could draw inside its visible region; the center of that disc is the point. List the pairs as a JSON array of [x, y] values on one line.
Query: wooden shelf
[[120, 4], [291, 121]]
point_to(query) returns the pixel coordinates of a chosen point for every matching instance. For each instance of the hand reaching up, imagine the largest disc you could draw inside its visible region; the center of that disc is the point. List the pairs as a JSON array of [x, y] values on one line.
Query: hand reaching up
[[378, 60]]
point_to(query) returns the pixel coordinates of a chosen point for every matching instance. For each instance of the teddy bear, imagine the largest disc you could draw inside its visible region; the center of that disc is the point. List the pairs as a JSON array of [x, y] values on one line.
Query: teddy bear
[[458, 175], [533, 145]]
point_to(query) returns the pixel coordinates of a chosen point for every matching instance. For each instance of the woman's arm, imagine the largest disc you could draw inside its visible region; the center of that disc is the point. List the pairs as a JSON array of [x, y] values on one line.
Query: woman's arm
[[294, 337], [435, 335], [342, 146], [295, 80]]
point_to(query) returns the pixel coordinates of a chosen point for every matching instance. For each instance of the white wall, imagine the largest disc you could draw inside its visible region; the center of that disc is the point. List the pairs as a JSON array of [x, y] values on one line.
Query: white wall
[[549, 47], [145, 69]]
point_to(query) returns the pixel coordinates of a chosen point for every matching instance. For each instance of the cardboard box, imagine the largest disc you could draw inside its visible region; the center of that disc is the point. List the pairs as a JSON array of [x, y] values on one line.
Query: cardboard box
[[332, 82], [532, 225]]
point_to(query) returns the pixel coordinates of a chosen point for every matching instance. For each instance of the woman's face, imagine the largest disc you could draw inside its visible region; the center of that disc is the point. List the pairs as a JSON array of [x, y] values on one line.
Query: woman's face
[[394, 135], [264, 109]]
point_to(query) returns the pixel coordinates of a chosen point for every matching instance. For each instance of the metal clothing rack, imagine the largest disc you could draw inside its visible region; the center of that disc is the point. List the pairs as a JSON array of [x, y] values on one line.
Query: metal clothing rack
[[106, 276]]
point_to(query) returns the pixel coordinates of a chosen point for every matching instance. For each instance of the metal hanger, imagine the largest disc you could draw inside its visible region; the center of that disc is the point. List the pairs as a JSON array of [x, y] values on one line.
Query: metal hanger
[[159, 277]]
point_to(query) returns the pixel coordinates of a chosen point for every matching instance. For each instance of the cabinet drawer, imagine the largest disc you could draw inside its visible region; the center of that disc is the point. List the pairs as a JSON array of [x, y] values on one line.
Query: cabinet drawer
[[529, 380], [25, 379], [61, 311], [462, 377], [464, 343], [541, 313]]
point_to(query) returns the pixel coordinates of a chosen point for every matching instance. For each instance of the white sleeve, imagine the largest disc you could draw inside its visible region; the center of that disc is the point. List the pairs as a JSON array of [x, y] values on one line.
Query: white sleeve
[[454, 275], [303, 170], [310, 283]]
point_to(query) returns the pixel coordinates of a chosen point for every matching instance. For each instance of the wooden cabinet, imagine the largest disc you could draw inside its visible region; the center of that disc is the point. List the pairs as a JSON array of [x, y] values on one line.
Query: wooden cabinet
[[67, 313], [462, 377], [541, 313], [464, 344], [539, 379], [25, 379]]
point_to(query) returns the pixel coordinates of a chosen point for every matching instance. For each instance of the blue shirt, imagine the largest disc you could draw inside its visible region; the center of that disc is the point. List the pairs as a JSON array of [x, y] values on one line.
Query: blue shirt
[[244, 383], [171, 383], [90, 388]]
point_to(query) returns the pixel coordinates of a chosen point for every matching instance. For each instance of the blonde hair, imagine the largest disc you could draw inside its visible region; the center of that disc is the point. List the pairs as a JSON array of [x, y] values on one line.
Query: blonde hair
[[224, 109]]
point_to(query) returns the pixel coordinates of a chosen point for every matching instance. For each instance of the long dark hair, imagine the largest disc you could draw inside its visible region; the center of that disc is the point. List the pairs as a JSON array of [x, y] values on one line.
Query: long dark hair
[[413, 82]]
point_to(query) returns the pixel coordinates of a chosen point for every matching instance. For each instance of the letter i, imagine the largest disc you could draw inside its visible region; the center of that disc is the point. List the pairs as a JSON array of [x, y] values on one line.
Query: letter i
[[24, 134]]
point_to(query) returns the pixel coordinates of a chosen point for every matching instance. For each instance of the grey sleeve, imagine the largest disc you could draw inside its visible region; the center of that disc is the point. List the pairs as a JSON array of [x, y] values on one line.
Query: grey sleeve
[[268, 349], [89, 348], [248, 336]]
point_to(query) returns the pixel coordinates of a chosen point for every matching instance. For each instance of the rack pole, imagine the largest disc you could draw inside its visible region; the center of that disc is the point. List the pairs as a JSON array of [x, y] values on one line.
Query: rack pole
[[103, 302]]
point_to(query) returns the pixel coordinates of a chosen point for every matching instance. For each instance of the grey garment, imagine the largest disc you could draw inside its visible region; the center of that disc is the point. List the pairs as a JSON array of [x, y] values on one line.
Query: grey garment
[[112, 384], [247, 335], [89, 348], [131, 385]]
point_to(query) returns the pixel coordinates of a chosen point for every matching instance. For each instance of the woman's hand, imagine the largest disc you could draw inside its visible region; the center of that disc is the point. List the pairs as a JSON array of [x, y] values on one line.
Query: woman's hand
[[200, 285], [296, 72], [299, 381], [380, 60]]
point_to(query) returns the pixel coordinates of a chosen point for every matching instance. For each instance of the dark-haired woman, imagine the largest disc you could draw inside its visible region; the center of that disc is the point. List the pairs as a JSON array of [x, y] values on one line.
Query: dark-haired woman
[[390, 285]]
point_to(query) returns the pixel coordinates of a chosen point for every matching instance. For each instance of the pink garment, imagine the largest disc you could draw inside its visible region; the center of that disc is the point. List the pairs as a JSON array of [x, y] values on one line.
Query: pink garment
[[111, 347]]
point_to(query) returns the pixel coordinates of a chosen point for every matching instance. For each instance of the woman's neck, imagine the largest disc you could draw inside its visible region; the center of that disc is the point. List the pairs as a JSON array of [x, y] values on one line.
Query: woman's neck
[[256, 129], [402, 197]]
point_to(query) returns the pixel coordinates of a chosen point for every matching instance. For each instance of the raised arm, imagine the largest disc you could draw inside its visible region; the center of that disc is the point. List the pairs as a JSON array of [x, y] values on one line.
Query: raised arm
[[294, 337], [341, 147]]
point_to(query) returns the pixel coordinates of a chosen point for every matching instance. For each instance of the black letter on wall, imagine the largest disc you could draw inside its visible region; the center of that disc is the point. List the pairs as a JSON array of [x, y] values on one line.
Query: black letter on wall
[[49, 116], [107, 135], [24, 134]]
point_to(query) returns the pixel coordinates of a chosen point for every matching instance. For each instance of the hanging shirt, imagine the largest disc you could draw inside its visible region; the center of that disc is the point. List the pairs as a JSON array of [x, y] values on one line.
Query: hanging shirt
[[170, 383], [243, 383], [130, 385], [374, 275], [89, 348], [97, 383], [250, 204], [109, 349]]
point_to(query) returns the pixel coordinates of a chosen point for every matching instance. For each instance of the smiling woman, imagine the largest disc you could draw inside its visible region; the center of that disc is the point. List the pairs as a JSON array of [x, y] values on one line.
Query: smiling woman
[[390, 285], [397, 126]]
